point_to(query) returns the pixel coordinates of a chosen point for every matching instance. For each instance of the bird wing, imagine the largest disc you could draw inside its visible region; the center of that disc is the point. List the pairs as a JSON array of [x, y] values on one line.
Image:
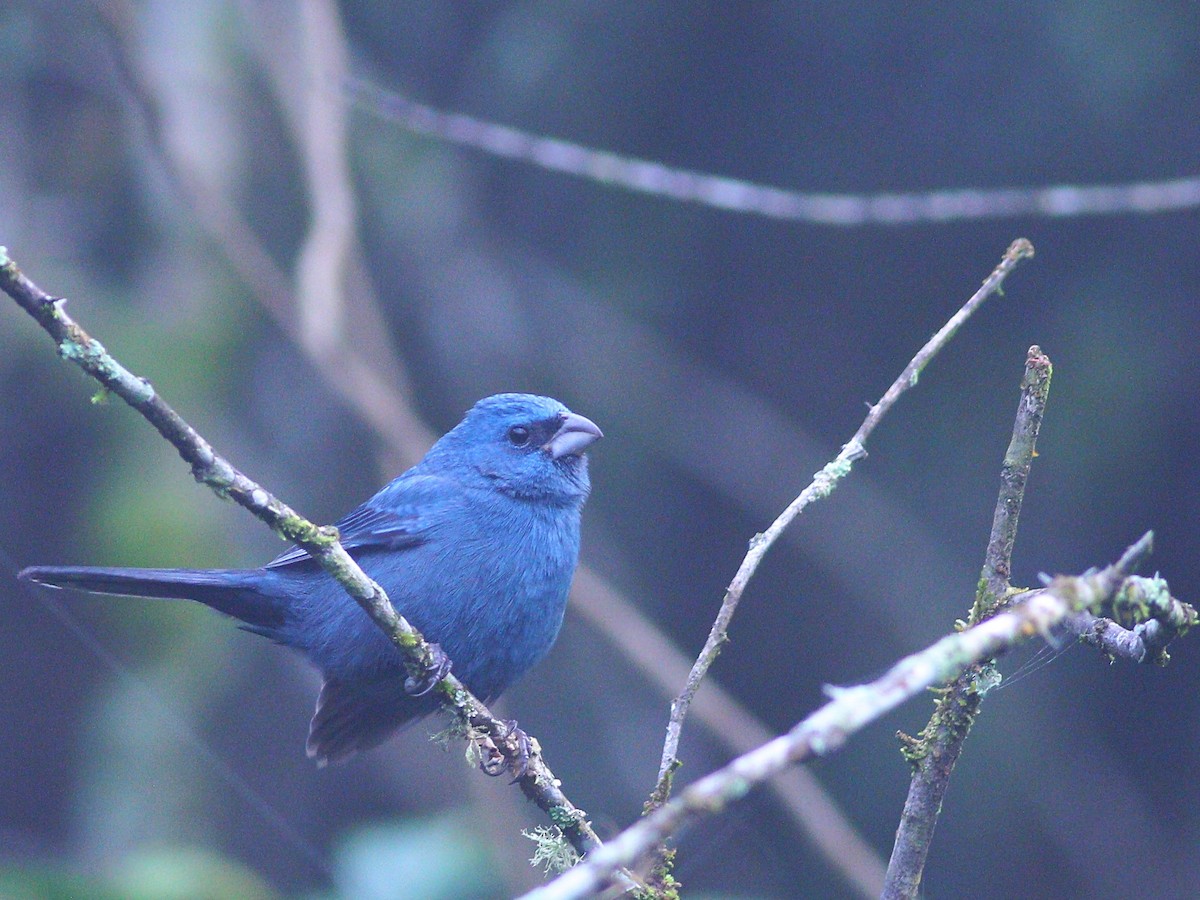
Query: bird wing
[[397, 518]]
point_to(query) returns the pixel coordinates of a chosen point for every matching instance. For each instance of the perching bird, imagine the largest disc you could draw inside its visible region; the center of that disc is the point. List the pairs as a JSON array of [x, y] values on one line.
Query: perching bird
[[475, 545]]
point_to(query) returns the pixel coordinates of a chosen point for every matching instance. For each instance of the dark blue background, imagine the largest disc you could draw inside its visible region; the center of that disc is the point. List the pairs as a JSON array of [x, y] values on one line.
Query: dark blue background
[[726, 356]]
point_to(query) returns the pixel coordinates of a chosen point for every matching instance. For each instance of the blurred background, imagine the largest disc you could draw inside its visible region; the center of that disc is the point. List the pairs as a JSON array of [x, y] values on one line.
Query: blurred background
[[321, 291]]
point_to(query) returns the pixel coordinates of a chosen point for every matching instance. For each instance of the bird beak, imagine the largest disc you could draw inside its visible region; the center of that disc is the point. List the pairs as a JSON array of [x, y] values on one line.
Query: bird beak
[[574, 436]]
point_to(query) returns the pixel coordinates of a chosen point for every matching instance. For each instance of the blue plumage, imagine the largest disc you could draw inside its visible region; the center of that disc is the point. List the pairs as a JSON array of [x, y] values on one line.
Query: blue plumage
[[476, 545]]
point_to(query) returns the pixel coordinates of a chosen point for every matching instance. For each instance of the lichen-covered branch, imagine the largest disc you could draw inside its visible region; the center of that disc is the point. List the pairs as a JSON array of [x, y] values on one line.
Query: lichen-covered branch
[[799, 790], [1154, 619], [849, 709], [934, 753], [822, 485], [321, 542]]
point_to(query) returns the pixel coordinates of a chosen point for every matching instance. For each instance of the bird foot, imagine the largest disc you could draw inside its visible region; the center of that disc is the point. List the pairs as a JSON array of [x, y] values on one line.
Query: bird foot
[[496, 764], [438, 669]]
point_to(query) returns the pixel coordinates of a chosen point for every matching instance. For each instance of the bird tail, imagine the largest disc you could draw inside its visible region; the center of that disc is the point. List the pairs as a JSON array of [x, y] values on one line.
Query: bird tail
[[235, 592]]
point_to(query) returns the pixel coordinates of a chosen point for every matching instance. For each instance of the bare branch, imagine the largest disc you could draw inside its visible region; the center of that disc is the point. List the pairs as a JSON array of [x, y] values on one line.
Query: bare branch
[[320, 132], [735, 195], [848, 711], [373, 388], [1018, 460], [822, 485]]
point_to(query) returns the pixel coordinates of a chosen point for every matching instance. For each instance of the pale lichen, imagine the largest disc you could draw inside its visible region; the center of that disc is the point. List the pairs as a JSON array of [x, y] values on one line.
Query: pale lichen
[[552, 852]]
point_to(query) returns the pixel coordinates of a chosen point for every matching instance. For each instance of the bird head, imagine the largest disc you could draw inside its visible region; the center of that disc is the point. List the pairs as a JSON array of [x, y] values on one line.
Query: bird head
[[524, 445]]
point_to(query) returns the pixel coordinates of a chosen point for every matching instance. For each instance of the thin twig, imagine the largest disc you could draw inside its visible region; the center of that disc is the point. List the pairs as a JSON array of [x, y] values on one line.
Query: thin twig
[[321, 542], [934, 754], [843, 210], [1018, 461], [822, 485], [848, 711], [802, 795]]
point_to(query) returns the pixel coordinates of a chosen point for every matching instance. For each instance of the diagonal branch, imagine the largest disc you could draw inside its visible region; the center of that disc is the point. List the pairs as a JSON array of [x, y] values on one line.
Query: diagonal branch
[[321, 542], [801, 793], [848, 710], [822, 485]]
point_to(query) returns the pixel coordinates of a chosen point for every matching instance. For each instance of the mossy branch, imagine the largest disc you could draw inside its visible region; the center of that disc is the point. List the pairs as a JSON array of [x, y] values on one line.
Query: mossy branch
[[321, 542], [1146, 618], [935, 751], [848, 711]]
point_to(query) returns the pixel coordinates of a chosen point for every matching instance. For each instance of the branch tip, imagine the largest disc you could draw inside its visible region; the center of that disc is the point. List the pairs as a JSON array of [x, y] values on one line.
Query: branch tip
[[1020, 249]]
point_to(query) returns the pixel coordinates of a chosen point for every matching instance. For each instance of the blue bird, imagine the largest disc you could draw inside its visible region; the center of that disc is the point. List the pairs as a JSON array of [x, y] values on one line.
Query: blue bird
[[476, 545]]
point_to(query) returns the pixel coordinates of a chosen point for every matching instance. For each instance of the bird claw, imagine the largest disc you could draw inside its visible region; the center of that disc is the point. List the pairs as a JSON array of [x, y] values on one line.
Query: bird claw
[[438, 669], [496, 764]]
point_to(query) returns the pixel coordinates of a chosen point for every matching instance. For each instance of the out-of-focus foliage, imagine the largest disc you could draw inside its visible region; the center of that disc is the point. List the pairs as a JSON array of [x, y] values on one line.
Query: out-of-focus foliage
[[726, 357], [421, 859], [152, 875]]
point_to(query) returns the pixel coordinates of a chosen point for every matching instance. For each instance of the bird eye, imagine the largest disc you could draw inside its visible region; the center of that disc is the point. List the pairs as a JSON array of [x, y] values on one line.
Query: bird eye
[[518, 435]]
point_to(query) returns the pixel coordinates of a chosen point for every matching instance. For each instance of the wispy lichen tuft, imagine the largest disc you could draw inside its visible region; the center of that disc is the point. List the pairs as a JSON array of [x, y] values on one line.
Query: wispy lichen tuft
[[552, 853]]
